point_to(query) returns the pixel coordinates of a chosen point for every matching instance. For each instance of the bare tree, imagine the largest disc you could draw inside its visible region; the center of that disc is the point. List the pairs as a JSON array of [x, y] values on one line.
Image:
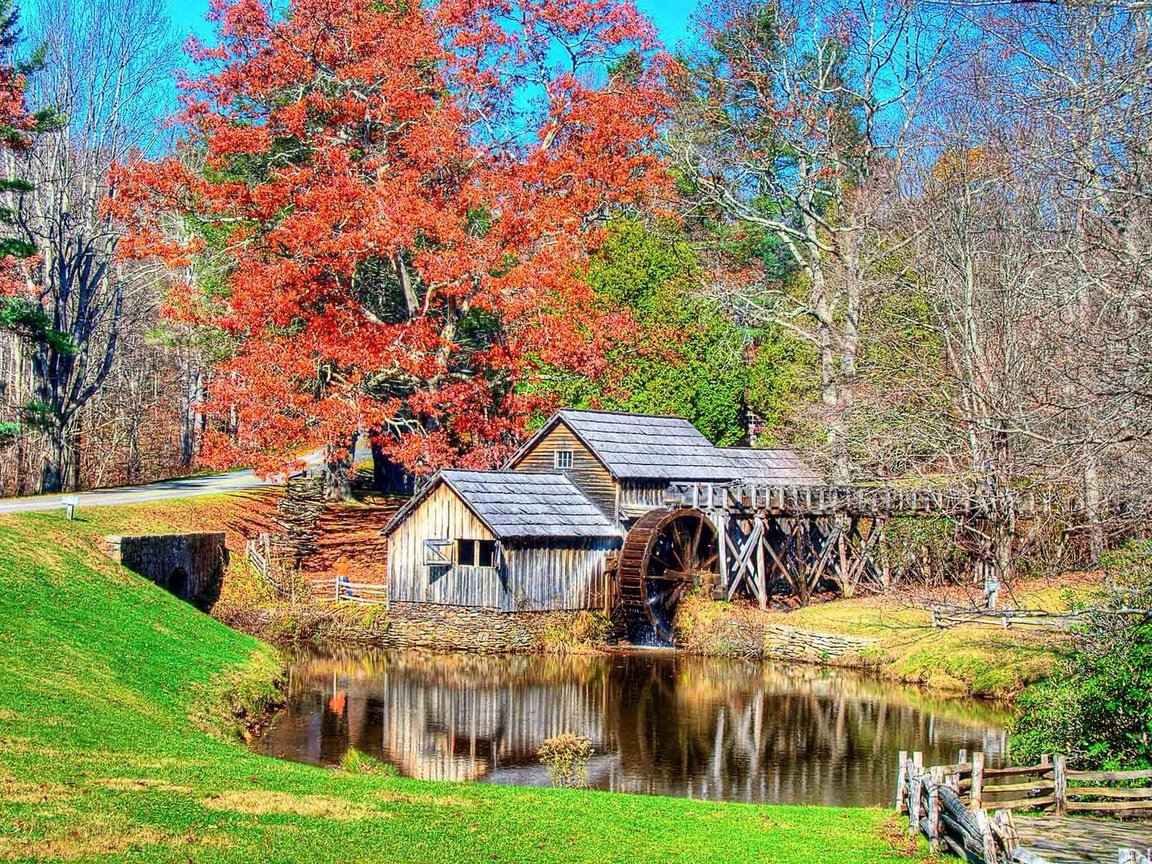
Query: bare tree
[[797, 119], [1083, 74], [1035, 245], [107, 71]]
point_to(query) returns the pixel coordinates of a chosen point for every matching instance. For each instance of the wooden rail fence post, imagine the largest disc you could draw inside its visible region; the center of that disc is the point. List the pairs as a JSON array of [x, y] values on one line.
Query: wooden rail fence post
[[902, 782], [1060, 780], [986, 836], [935, 779], [914, 780], [976, 794]]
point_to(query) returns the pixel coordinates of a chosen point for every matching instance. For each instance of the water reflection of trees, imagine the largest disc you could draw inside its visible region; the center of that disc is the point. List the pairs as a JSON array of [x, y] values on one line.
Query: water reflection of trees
[[659, 723]]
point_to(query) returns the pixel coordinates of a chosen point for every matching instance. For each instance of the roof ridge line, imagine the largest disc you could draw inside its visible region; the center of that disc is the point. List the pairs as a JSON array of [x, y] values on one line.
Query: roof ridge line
[[628, 414]]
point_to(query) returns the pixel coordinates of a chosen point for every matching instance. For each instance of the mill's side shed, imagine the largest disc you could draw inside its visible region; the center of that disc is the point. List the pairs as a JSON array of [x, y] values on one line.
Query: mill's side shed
[[514, 542]]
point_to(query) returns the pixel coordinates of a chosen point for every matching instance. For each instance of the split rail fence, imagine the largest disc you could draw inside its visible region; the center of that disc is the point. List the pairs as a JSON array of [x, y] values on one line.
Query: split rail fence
[[1031, 619], [259, 552], [951, 804], [359, 592]]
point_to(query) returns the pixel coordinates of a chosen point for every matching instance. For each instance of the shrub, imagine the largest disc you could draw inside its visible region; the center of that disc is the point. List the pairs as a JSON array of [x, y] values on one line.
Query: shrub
[[357, 762], [566, 757], [566, 633], [1098, 708]]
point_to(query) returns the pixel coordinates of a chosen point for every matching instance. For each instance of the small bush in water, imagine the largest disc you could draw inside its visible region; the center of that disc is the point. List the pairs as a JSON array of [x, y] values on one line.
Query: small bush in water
[[566, 758], [355, 762]]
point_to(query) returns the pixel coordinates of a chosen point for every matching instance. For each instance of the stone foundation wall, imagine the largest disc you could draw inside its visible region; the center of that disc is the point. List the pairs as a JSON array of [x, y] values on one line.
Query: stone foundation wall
[[191, 566], [418, 625], [426, 625]]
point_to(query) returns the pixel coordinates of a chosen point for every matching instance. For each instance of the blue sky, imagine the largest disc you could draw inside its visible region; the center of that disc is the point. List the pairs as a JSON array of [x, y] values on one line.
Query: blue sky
[[670, 16]]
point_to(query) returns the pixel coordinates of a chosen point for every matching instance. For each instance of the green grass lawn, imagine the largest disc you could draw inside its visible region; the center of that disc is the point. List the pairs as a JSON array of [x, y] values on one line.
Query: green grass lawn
[[107, 685]]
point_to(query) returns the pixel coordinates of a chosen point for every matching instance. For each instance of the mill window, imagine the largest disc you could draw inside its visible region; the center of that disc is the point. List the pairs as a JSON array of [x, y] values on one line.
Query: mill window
[[486, 553], [476, 553], [562, 459]]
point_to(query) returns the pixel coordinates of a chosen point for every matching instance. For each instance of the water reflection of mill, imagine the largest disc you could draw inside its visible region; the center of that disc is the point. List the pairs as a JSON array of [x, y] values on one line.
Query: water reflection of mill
[[660, 724]]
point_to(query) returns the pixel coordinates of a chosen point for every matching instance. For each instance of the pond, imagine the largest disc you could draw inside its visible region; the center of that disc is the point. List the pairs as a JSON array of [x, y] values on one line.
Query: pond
[[661, 723]]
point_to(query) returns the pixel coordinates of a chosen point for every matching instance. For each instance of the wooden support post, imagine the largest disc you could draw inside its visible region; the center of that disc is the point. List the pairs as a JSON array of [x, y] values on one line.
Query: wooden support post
[[1060, 781], [902, 782], [722, 543], [1005, 828], [761, 567], [977, 793]]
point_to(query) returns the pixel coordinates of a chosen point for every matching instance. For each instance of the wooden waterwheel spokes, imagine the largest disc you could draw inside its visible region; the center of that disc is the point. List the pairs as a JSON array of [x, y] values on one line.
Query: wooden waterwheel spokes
[[665, 553]]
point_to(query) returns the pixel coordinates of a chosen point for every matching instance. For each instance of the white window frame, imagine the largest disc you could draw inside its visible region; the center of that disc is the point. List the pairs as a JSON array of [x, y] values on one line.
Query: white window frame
[[559, 457]]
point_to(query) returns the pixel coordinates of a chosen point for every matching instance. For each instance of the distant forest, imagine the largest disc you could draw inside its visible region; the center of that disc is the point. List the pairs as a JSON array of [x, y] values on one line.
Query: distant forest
[[913, 240]]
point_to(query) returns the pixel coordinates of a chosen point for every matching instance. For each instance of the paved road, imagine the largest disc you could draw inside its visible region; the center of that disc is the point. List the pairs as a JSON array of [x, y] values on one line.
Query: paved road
[[209, 484]]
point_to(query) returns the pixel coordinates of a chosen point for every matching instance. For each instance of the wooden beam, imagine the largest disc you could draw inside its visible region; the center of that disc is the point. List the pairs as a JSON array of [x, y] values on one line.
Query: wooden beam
[[761, 570]]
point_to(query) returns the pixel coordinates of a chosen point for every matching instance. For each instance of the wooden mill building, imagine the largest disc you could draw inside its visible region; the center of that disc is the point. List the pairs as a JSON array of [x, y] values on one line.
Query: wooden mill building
[[545, 532]]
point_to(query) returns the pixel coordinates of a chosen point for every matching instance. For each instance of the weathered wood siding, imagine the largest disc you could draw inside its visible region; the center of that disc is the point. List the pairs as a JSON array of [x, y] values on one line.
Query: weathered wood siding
[[586, 472], [639, 496], [443, 516], [556, 574], [532, 575]]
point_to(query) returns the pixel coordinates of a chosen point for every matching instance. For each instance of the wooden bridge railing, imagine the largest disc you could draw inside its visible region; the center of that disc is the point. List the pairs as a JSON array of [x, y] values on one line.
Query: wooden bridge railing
[[950, 804], [853, 500]]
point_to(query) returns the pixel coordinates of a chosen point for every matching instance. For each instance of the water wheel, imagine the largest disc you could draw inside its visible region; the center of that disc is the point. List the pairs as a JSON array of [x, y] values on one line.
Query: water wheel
[[665, 553]]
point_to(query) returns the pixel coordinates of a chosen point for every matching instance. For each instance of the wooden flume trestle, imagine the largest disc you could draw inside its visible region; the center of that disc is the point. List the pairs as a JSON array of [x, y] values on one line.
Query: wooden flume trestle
[[799, 539]]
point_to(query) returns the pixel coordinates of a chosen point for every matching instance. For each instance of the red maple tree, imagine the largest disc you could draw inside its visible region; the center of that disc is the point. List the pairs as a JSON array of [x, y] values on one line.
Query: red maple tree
[[18, 128], [397, 201]]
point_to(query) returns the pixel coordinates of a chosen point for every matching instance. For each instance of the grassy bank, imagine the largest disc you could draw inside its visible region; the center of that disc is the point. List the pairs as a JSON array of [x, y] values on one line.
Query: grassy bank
[[115, 704], [976, 660]]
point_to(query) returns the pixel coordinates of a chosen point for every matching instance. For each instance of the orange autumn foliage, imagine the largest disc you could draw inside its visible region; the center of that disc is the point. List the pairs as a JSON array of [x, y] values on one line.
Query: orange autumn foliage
[[404, 196]]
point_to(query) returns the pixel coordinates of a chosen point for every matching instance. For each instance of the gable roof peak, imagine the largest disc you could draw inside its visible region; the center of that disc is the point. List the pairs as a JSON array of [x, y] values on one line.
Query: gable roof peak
[[659, 447]]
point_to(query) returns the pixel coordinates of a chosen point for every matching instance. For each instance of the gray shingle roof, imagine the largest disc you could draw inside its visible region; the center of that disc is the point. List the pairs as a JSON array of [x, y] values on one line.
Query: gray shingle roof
[[515, 504], [778, 467], [652, 447]]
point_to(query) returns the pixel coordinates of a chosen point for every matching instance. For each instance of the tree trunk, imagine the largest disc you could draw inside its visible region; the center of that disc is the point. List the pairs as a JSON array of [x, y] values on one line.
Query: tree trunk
[[338, 473], [388, 475], [191, 419], [830, 390], [58, 466], [1092, 500]]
